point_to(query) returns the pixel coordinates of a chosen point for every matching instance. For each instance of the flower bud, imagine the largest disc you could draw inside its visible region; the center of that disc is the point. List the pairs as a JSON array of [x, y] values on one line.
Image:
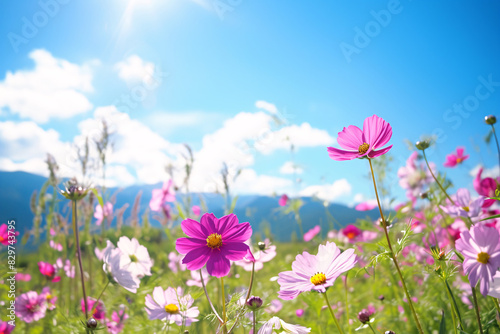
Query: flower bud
[[261, 245], [389, 332], [424, 195], [381, 297], [364, 316], [422, 144], [490, 120], [254, 303], [74, 191], [92, 323]]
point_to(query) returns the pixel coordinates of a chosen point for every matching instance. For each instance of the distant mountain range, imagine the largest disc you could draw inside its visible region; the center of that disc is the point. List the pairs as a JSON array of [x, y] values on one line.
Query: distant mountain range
[[16, 189]]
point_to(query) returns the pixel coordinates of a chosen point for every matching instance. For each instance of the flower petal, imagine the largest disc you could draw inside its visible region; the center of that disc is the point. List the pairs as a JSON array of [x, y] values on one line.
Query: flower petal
[[341, 155], [350, 138], [185, 245], [218, 265]]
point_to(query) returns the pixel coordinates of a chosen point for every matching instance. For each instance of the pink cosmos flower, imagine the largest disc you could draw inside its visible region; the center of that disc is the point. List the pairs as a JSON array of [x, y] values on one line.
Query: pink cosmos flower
[[99, 312], [359, 143], [6, 328], [299, 312], [495, 286], [160, 196], [265, 253], [481, 250], [58, 247], [367, 206], [175, 262], [464, 205], [30, 307], [213, 242], [196, 210], [117, 322], [414, 177], [275, 306], [352, 234], [170, 305], [283, 200], [4, 235], [486, 187], [315, 272], [196, 280], [280, 326], [309, 235], [100, 213], [49, 298], [452, 160], [49, 271], [23, 277]]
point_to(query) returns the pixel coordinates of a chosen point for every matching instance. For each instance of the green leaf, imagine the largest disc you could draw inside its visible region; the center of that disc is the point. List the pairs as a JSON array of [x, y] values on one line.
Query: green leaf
[[442, 325], [180, 210], [99, 198]]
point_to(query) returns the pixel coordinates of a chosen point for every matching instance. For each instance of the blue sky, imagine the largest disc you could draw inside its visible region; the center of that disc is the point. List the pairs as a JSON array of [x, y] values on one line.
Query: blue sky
[[327, 65]]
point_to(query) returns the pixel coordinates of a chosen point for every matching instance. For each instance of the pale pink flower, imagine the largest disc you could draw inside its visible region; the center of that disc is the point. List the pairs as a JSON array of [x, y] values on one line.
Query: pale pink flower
[[265, 253], [280, 326], [309, 235], [30, 307], [196, 279], [117, 322], [23, 277], [49, 298], [175, 262], [160, 196], [58, 247], [196, 210], [100, 213], [367, 206], [170, 305]]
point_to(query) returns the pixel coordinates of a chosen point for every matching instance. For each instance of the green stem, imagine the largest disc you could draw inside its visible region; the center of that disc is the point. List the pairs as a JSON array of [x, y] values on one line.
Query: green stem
[[99, 298], [435, 179], [369, 325], [454, 304], [384, 225], [347, 305], [254, 322], [496, 140], [333, 315], [476, 307], [208, 298], [224, 316], [77, 240]]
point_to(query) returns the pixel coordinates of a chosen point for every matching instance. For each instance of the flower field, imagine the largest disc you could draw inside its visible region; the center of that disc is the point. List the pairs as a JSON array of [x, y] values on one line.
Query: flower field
[[426, 265]]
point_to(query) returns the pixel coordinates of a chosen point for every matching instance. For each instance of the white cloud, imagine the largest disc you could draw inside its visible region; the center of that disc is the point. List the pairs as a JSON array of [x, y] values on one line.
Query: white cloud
[[168, 122], [328, 192], [487, 172], [249, 182], [267, 106], [290, 168], [134, 69], [53, 89]]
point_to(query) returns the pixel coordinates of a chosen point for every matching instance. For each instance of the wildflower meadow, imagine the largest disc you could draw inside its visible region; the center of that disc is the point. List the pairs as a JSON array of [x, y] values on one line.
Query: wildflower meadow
[[427, 265]]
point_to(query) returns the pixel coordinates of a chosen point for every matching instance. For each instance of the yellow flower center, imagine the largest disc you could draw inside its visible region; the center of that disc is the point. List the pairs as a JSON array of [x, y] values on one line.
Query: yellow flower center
[[133, 258], [318, 278], [214, 240], [483, 257], [1, 238], [466, 208], [363, 148], [459, 160], [351, 235], [48, 296], [171, 308]]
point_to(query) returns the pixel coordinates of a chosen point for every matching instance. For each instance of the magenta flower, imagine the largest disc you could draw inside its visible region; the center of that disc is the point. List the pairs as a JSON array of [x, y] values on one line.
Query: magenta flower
[[30, 307], [309, 235], [6, 328], [99, 313], [486, 187], [464, 205], [213, 242], [352, 234], [359, 143], [283, 200], [49, 271], [23, 277], [196, 210], [100, 213], [366, 206], [160, 196], [481, 250], [117, 322], [4, 235], [315, 272], [299, 312], [452, 160]]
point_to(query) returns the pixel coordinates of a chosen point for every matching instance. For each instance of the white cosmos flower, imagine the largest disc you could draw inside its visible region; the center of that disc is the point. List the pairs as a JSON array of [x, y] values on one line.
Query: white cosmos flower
[[276, 323], [116, 265], [139, 261]]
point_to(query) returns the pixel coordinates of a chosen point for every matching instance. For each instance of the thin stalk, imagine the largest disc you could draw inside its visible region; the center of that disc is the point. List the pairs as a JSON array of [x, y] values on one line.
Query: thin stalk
[[224, 316], [369, 325], [299, 222], [77, 239], [247, 296], [496, 140], [331, 312], [254, 322], [384, 225], [347, 305], [99, 298], [476, 307], [454, 305], [435, 179], [209, 301]]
